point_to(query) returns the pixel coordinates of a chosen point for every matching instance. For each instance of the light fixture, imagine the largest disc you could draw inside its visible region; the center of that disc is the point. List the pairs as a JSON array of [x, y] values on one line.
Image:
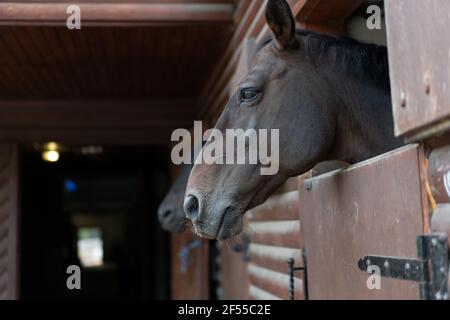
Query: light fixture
[[50, 152]]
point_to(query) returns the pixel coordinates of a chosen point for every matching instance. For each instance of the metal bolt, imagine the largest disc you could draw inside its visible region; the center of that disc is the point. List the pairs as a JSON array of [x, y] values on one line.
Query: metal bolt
[[308, 185], [434, 242], [403, 100], [428, 87]]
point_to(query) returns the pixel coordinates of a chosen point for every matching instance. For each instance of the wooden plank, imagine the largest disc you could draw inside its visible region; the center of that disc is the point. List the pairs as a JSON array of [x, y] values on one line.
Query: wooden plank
[[9, 226], [419, 59], [191, 283], [276, 233], [69, 114], [323, 10], [107, 137], [114, 14], [277, 208], [234, 275], [256, 293], [273, 282], [274, 258], [373, 208]]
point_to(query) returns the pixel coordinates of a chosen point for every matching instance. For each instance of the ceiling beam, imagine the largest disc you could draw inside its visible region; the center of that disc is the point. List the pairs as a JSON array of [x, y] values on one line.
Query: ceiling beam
[[117, 14], [83, 115]]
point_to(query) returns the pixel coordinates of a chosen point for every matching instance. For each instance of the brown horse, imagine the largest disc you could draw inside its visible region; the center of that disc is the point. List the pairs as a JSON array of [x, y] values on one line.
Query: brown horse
[[330, 99], [170, 212]]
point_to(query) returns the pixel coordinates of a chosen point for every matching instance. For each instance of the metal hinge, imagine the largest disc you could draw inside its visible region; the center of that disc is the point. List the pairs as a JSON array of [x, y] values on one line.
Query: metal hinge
[[430, 270]]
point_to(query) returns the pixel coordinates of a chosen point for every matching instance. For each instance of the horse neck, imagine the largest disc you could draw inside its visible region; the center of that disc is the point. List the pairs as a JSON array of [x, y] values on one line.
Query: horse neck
[[365, 125]]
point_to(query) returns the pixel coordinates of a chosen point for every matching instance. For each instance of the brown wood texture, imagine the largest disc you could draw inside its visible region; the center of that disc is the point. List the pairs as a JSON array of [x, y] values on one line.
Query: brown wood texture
[[102, 122], [373, 208], [274, 231], [419, 59], [9, 229], [278, 207], [109, 63], [234, 279], [274, 258], [117, 13], [194, 283], [274, 282], [327, 16]]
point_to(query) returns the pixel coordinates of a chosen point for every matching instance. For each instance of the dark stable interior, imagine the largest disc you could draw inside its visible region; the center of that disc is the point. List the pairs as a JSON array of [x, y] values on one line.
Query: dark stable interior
[[115, 193]]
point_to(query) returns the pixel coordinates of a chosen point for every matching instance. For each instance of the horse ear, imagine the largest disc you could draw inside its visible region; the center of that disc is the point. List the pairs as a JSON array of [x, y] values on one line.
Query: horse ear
[[282, 23]]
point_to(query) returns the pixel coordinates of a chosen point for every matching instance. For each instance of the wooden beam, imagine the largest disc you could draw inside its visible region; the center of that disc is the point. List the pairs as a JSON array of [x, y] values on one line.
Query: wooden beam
[[95, 114], [327, 16], [115, 14], [94, 122], [104, 137]]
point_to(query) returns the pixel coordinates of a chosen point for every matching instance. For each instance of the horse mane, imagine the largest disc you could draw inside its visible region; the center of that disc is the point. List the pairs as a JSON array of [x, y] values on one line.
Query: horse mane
[[365, 61]]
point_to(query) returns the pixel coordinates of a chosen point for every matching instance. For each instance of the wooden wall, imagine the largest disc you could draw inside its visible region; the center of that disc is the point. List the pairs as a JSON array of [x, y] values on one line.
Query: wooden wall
[[9, 229], [274, 230]]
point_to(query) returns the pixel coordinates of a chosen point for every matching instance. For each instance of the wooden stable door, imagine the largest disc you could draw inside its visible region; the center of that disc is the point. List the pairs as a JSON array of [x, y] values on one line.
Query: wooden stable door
[[9, 212], [375, 208], [190, 267], [419, 62]]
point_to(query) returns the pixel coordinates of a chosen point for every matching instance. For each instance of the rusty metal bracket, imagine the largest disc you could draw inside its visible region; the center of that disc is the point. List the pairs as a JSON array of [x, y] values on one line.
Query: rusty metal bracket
[[430, 270]]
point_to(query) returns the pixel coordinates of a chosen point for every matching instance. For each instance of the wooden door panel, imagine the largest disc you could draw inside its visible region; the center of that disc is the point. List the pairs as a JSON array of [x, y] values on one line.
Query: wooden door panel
[[234, 274], [373, 208], [190, 277], [419, 59]]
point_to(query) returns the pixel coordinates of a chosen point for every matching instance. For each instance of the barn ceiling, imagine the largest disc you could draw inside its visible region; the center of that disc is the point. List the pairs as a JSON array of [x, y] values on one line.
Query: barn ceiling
[[144, 54], [108, 62]]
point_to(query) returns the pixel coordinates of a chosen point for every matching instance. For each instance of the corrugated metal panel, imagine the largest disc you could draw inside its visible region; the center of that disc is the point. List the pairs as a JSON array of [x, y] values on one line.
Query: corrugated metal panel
[[8, 222]]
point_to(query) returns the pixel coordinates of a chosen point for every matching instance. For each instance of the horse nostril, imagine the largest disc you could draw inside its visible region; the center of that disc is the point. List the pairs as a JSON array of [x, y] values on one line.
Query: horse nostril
[[191, 207], [167, 214]]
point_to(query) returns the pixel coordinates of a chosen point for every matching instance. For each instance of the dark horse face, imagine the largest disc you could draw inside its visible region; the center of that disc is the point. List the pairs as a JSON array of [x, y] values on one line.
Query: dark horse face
[[281, 91], [170, 213]]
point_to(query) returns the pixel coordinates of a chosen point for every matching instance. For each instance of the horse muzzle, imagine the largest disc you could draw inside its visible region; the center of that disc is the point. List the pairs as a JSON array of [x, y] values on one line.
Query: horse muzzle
[[217, 224]]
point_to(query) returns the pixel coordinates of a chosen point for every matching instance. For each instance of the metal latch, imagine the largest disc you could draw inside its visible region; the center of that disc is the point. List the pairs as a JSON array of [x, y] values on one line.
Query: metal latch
[[430, 270], [185, 252], [291, 270]]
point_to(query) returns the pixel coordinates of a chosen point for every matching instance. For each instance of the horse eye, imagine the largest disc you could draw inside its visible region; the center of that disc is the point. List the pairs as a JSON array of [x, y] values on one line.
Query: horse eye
[[249, 95]]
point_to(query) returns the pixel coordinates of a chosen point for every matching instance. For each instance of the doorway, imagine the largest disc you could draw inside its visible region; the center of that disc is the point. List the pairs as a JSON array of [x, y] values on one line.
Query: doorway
[[97, 211]]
